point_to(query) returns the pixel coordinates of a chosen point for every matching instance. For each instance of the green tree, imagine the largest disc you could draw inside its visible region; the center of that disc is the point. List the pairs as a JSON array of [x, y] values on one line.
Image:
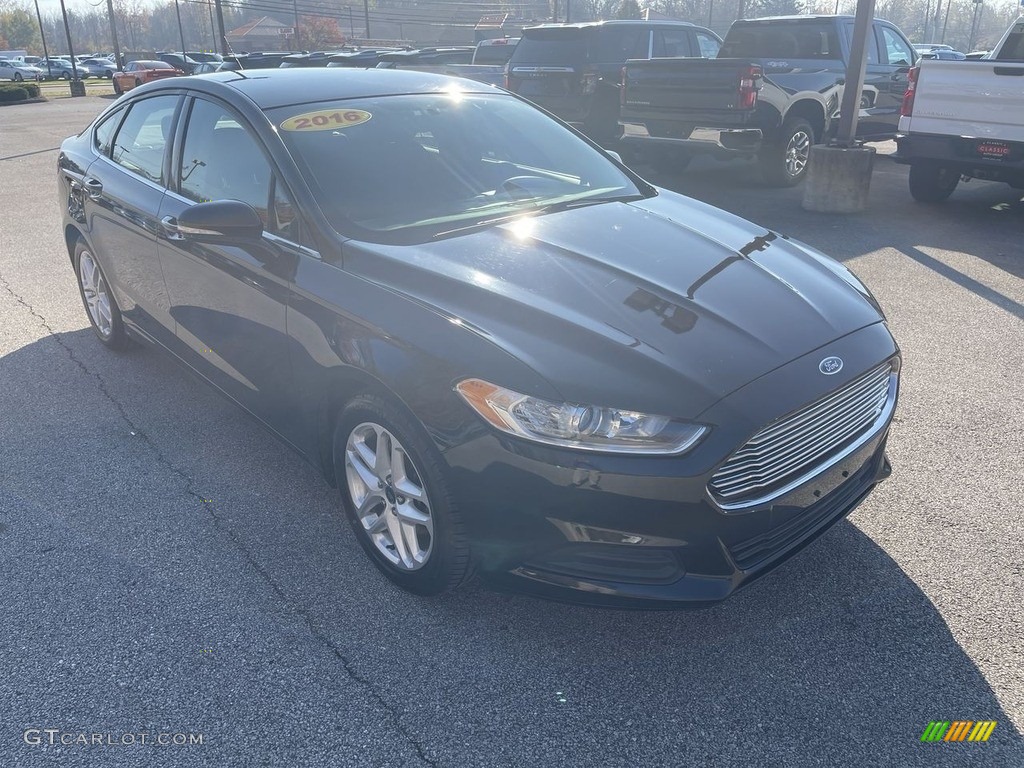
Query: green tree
[[19, 29]]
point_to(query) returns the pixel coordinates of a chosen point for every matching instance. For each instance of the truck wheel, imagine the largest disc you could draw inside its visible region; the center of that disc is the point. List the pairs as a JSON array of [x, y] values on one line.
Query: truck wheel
[[932, 183], [784, 159]]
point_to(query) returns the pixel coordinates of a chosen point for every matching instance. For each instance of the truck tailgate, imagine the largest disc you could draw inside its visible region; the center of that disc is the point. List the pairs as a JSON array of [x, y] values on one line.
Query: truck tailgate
[[976, 98], [682, 85]]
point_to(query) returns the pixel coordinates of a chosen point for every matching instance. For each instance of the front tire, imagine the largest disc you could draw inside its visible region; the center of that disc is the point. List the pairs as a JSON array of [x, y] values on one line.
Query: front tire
[[65, 75], [784, 159], [17, 77], [100, 305], [930, 183], [396, 497]]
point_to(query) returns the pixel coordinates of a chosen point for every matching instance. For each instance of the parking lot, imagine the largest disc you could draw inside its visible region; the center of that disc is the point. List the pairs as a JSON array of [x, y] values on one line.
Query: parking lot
[[169, 567]]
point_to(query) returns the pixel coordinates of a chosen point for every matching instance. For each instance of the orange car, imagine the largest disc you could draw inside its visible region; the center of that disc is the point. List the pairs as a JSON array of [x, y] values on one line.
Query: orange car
[[138, 72]]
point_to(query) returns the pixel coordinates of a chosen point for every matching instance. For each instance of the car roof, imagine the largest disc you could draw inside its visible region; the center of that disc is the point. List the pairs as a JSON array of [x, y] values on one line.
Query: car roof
[[270, 88], [611, 23]]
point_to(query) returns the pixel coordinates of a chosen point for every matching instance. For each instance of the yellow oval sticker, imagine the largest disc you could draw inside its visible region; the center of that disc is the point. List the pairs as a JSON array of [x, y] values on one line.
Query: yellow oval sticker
[[325, 120]]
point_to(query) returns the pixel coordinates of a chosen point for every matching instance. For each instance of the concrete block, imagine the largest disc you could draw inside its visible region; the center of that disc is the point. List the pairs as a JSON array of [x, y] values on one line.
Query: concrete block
[[838, 179]]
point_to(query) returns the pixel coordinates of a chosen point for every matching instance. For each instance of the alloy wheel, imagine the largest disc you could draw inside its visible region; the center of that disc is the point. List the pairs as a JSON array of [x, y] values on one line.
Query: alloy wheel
[[97, 298], [798, 151], [389, 496]]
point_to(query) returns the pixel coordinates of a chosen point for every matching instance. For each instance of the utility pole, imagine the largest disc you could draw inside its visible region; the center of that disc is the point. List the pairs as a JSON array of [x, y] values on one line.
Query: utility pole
[[113, 32], [945, 23], [366, 15], [213, 28], [568, 13], [181, 32], [221, 34], [298, 42], [42, 37], [71, 51], [975, 20], [351, 24], [852, 90]]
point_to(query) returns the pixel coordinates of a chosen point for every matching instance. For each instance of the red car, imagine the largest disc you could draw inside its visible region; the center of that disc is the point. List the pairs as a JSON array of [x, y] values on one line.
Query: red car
[[137, 73]]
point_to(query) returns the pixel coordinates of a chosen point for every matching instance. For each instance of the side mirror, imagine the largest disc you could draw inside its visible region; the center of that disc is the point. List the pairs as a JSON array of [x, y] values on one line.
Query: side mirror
[[220, 221]]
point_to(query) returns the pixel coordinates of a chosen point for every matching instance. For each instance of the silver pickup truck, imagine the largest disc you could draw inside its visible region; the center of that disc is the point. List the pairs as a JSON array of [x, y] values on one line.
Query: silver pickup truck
[[965, 119]]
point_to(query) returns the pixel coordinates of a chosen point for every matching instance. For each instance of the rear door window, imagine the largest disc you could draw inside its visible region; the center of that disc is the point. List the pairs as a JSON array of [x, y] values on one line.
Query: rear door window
[[897, 50], [708, 45], [142, 139], [669, 43], [782, 40]]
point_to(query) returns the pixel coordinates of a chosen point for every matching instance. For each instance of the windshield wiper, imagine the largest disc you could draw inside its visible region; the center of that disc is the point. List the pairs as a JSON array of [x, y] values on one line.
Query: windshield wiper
[[562, 205], [566, 205]]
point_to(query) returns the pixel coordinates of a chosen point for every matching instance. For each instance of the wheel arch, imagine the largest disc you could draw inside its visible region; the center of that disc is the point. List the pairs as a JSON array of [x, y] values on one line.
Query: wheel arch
[[813, 112], [72, 234]]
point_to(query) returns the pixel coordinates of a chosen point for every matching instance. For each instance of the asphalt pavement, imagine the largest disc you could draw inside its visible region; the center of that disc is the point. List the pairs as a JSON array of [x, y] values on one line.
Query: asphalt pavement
[[168, 567]]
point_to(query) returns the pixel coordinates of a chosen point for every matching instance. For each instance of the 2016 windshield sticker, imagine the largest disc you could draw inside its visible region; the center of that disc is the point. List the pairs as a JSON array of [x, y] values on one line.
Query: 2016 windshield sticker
[[325, 120]]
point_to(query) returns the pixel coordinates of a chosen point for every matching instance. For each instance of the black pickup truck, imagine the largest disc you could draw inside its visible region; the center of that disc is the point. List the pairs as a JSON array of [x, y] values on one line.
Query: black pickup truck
[[773, 90]]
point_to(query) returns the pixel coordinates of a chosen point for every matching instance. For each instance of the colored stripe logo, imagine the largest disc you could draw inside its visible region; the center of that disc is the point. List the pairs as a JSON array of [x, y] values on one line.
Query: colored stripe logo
[[958, 730]]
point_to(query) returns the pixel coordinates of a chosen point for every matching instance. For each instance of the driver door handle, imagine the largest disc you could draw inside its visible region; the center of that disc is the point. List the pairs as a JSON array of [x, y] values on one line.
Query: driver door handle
[[170, 227], [93, 186]]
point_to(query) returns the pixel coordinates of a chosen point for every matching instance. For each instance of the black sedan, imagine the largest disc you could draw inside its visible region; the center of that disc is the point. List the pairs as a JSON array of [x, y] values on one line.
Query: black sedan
[[510, 353]]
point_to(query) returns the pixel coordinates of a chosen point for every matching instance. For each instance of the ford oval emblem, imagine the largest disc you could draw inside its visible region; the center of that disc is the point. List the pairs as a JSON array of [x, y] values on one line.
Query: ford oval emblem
[[831, 365]]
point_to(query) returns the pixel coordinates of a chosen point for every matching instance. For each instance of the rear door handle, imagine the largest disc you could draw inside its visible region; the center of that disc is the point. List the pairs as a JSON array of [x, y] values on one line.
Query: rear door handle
[[94, 187], [170, 226]]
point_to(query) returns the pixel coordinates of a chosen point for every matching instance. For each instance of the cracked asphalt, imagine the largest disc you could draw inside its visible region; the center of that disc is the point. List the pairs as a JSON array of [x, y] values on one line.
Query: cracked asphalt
[[168, 567]]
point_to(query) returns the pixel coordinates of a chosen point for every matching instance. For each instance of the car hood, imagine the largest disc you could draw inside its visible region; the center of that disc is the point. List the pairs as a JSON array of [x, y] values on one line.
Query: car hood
[[664, 305]]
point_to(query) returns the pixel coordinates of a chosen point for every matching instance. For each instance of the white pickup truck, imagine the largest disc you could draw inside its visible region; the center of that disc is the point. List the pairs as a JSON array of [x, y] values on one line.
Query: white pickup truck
[[965, 119]]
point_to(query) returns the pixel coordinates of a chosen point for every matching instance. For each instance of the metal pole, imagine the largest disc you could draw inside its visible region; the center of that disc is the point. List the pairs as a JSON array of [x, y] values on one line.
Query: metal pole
[[181, 32], [837, 7], [67, 31], [223, 42], [213, 28], [298, 42], [113, 33], [974, 23], [949, 4], [567, 11], [711, 10], [366, 15], [351, 24], [852, 90], [42, 37]]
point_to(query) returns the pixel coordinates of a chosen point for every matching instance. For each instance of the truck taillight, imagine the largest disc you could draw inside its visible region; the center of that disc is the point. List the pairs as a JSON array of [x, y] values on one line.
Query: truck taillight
[[622, 87], [750, 83], [508, 79], [907, 107]]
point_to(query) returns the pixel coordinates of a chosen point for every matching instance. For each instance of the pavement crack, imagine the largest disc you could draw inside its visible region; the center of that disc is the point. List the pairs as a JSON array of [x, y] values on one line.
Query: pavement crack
[[220, 524]]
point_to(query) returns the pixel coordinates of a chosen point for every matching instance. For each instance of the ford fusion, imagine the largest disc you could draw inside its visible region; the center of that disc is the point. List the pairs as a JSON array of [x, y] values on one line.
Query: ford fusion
[[509, 353]]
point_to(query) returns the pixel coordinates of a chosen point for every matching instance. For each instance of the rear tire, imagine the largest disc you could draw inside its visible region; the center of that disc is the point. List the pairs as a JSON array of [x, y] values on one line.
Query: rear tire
[[396, 497], [931, 183], [784, 159], [65, 75], [17, 77]]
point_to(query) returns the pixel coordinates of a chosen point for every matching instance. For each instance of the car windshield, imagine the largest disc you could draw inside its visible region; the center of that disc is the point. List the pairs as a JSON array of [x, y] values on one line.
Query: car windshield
[[411, 167]]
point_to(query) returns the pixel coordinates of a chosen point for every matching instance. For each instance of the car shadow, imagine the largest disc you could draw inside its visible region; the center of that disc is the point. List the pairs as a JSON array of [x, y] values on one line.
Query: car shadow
[[837, 658]]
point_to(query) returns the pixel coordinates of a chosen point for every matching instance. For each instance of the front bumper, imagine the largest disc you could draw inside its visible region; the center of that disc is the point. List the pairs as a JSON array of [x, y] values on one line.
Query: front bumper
[[645, 532]]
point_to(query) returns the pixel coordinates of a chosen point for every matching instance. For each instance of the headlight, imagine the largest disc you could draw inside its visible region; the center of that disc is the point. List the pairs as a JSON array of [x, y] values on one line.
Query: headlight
[[584, 427]]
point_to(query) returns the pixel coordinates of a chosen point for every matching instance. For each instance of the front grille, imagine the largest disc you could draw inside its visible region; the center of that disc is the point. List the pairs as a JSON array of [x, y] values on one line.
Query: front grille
[[776, 542], [796, 447]]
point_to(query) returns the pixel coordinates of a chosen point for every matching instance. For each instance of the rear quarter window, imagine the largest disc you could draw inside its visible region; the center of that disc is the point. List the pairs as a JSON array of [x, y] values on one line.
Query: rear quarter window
[[1013, 47], [789, 40], [556, 47]]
